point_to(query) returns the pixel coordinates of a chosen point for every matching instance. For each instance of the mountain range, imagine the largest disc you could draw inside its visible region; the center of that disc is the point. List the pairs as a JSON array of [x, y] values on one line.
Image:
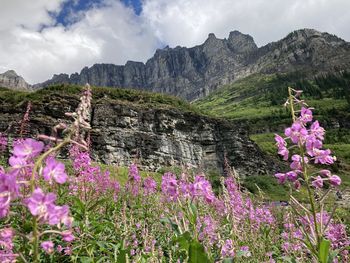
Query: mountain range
[[192, 73]]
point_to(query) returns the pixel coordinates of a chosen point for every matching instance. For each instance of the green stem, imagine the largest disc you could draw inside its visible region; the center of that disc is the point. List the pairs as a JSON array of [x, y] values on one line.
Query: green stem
[[32, 188], [305, 173]]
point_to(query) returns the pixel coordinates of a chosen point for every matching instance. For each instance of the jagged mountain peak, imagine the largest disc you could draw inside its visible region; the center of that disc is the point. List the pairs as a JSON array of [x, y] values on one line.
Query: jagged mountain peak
[[194, 72], [10, 79], [10, 73]]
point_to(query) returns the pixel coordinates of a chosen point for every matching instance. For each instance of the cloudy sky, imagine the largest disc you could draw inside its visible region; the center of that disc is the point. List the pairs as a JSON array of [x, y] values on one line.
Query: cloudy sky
[[42, 37]]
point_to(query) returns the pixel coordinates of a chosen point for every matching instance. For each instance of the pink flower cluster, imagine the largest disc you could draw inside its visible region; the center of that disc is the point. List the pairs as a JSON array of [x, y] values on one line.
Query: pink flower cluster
[[200, 188], [227, 249], [44, 208], [89, 181], [6, 246], [310, 140], [134, 180]]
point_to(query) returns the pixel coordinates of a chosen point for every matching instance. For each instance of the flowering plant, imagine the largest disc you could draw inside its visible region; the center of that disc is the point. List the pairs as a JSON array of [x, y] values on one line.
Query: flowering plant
[[313, 227]]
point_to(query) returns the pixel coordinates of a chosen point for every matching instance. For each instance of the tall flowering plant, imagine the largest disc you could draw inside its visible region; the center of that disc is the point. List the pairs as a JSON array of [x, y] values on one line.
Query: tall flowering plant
[[315, 228], [25, 191]]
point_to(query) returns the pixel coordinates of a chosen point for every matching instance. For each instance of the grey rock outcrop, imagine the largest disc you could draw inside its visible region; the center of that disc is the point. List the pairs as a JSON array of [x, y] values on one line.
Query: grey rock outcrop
[[11, 80], [160, 137], [194, 72]]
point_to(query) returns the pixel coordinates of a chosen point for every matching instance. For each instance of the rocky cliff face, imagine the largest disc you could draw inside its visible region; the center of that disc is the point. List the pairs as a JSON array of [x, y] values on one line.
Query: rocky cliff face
[[11, 80], [194, 72], [160, 137]]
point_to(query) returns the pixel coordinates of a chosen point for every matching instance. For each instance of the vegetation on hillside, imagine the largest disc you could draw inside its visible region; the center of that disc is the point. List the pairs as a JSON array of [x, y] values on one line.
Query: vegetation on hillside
[[135, 97], [52, 213]]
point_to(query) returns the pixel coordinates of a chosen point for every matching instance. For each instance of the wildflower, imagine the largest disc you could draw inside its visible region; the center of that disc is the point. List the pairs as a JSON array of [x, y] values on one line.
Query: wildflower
[[170, 186], [318, 182], [305, 115], [47, 246], [28, 148], [9, 190], [296, 133], [325, 173], [207, 227], [335, 180], [282, 149], [40, 204], [281, 177], [323, 156], [292, 176], [149, 186], [134, 174], [6, 236], [227, 249], [317, 131], [6, 245], [202, 187], [67, 236], [55, 170], [297, 162]]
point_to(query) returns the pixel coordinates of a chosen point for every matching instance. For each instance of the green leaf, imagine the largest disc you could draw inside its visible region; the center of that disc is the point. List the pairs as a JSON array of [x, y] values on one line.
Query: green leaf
[[324, 250], [227, 260], [122, 256], [184, 240], [196, 253]]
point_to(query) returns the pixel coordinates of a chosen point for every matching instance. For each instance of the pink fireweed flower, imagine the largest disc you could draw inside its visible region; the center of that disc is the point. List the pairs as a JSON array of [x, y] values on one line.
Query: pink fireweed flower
[[6, 236], [202, 188], [323, 156], [43, 206], [17, 162], [325, 173], [297, 162], [292, 176], [6, 245], [297, 184], [312, 143], [335, 180], [170, 186], [207, 227], [67, 236], [55, 170], [227, 249], [317, 182], [149, 186], [134, 174], [47, 246], [28, 148], [40, 204], [297, 133], [282, 149], [317, 131], [281, 177], [59, 214], [9, 190], [305, 115]]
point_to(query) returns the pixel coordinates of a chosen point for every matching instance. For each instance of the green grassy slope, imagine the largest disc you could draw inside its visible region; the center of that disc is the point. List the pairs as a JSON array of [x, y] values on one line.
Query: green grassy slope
[[136, 97], [257, 100]]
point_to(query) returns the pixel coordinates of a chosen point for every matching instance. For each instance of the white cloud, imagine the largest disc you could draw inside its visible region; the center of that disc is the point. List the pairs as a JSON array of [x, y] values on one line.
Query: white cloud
[[182, 22], [109, 34], [114, 34]]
